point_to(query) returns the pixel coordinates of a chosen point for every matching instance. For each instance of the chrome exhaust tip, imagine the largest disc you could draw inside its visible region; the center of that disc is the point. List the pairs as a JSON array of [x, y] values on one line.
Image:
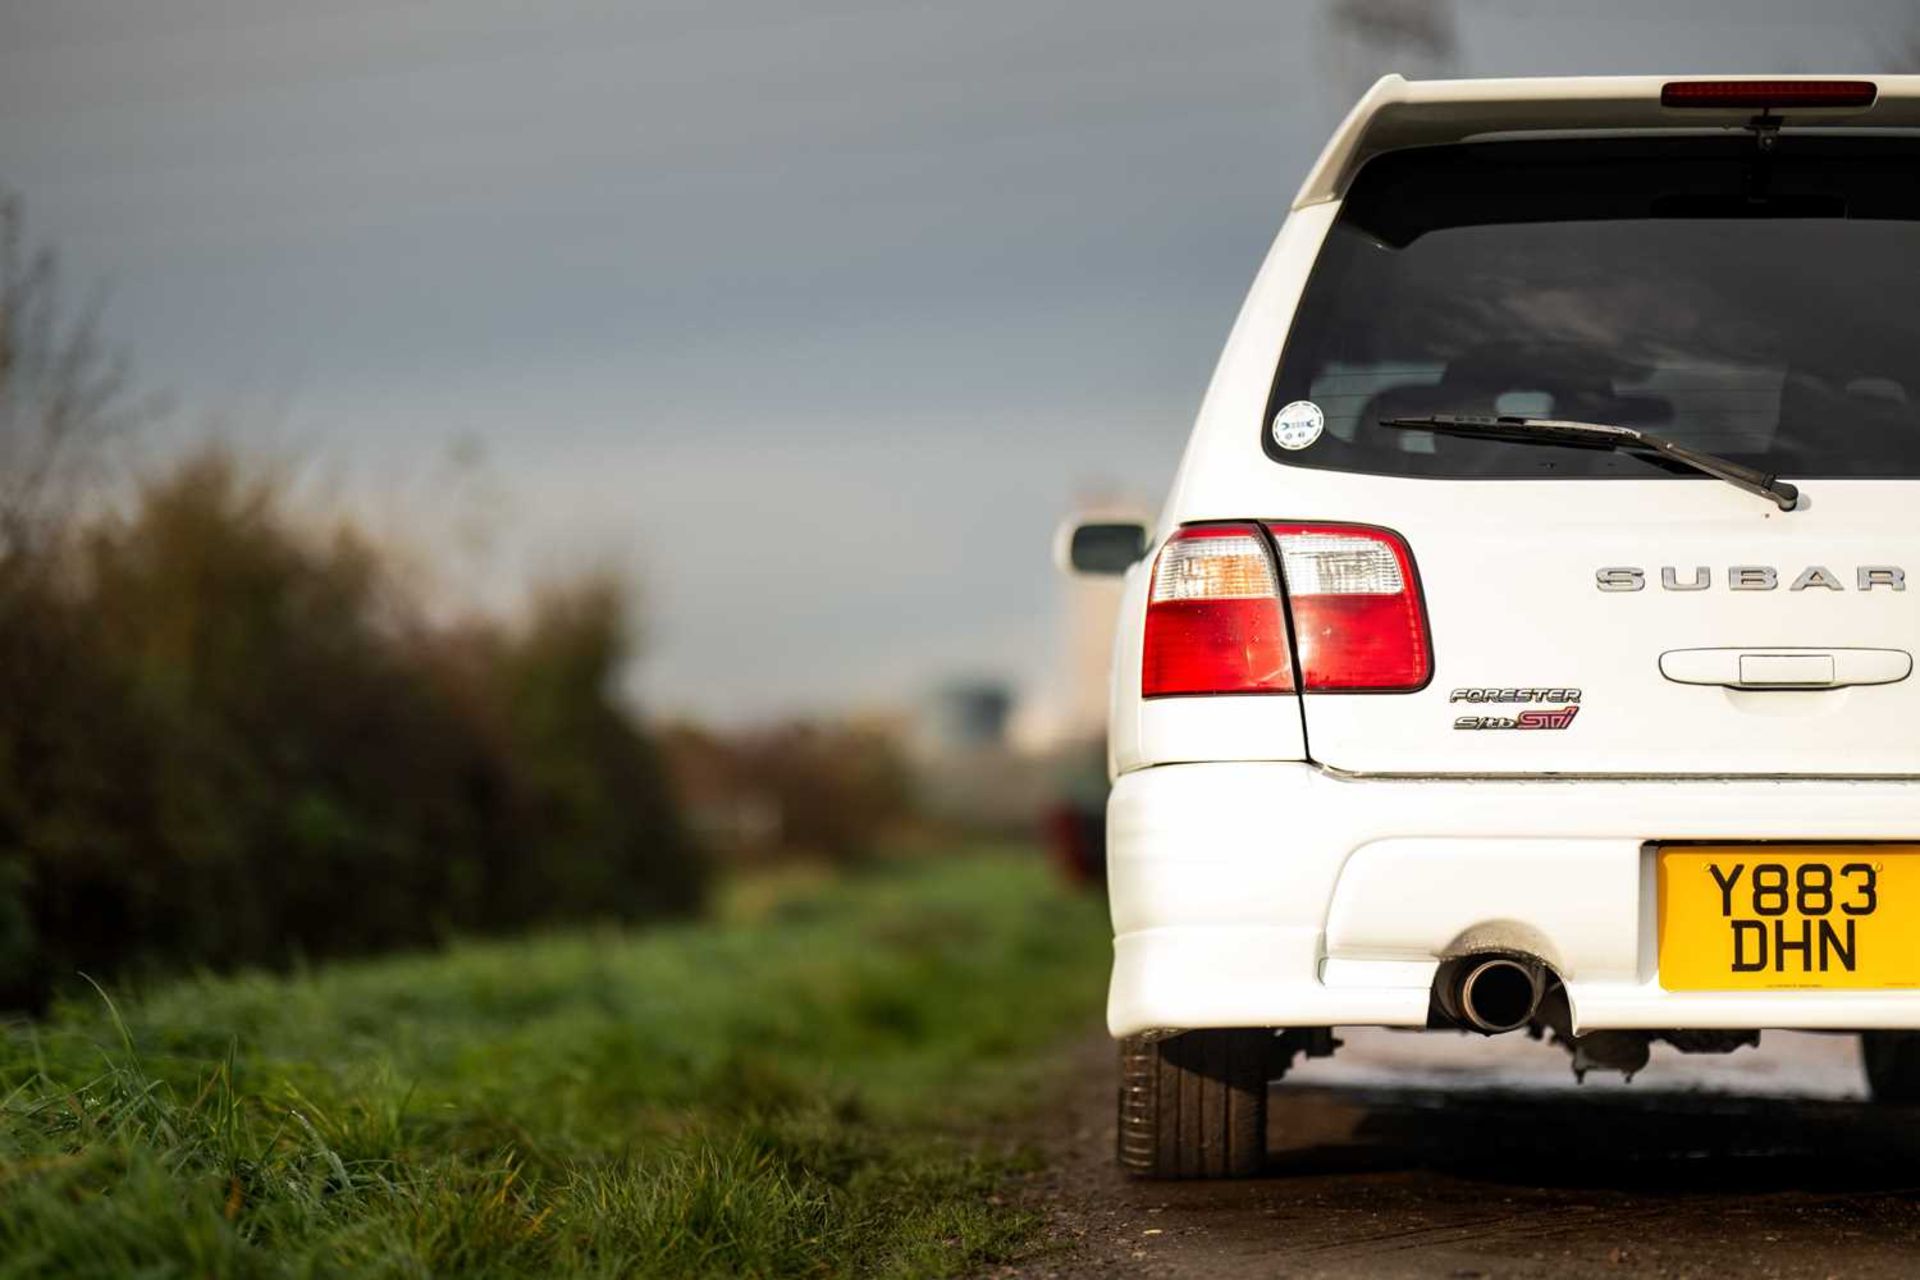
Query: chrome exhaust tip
[[1495, 994]]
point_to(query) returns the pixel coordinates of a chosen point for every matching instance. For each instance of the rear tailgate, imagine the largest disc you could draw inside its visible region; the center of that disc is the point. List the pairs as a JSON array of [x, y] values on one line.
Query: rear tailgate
[[1539, 668], [1602, 612]]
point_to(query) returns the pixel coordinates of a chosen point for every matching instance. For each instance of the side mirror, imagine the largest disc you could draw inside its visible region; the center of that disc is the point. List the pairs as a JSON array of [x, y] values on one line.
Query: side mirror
[[1107, 547]]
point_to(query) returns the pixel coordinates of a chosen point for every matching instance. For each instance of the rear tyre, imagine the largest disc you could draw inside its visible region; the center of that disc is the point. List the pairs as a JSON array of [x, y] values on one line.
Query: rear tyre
[[1892, 1060], [1195, 1105]]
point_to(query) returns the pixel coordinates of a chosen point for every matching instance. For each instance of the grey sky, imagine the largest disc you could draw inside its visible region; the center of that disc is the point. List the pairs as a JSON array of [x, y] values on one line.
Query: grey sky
[[813, 316]]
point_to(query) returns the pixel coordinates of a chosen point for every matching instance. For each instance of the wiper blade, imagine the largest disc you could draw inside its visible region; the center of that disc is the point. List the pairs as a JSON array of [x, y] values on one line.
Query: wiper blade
[[1601, 435]]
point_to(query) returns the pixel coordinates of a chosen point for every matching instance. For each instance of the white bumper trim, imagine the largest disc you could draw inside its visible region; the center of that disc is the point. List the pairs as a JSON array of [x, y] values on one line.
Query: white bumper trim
[[1271, 894]]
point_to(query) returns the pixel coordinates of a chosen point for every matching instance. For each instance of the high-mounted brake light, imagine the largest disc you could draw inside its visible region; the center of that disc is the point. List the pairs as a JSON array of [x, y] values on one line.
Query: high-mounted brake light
[[1758, 95], [1215, 621], [1213, 617], [1358, 618]]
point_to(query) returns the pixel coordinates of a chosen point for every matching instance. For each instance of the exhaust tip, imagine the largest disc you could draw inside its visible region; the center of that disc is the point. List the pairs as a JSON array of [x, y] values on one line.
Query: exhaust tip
[[1500, 993]]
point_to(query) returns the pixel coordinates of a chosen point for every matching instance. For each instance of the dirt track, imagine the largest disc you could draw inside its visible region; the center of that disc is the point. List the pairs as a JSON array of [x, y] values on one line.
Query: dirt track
[[1440, 1156]]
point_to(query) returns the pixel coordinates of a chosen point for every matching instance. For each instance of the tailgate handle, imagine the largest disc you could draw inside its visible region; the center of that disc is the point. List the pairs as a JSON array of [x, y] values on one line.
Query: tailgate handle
[[1786, 668]]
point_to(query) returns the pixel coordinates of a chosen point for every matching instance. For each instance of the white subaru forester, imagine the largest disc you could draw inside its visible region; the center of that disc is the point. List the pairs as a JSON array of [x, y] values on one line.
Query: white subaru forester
[[1526, 642]]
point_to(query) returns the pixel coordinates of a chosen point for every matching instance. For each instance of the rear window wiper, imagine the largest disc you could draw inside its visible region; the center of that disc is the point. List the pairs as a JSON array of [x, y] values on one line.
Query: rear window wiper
[[1600, 435]]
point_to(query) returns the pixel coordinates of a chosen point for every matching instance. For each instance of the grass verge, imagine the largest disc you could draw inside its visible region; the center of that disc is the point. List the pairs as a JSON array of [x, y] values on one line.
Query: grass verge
[[793, 1091]]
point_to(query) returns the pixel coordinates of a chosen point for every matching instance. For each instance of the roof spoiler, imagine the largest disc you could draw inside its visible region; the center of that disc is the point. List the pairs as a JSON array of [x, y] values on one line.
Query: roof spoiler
[[1399, 113]]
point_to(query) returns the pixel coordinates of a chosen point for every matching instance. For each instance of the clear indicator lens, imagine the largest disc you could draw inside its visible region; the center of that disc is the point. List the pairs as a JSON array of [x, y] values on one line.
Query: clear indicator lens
[[1229, 567], [1334, 564]]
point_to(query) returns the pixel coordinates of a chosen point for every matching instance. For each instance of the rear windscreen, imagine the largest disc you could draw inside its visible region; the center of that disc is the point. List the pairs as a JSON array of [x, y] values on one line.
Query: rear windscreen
[[1762, 307]]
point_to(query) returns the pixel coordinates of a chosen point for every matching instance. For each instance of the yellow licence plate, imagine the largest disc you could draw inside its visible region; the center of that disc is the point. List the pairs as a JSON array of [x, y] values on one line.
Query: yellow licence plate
[[1776, 917]]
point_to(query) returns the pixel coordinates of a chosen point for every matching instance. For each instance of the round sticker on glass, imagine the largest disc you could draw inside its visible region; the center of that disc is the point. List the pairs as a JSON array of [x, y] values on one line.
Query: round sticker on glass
[[1298, 425]]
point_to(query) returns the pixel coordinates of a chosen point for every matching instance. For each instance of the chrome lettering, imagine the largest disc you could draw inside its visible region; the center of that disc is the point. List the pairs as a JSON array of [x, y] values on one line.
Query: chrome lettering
[[1750, 577], [1620, 579], [1881, 575], [1815, 576], [1670, 579]]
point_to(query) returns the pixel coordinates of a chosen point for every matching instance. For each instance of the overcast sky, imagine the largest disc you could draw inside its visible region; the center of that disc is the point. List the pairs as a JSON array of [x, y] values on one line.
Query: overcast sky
[[813, 317]]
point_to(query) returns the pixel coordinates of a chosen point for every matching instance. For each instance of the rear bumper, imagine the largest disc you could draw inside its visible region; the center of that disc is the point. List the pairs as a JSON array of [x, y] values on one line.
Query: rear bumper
[[1275, 894]]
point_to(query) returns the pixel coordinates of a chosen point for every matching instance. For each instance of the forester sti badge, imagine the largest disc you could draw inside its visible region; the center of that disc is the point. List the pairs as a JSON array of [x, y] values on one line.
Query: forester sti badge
[[1539, 717], [1298, 425]]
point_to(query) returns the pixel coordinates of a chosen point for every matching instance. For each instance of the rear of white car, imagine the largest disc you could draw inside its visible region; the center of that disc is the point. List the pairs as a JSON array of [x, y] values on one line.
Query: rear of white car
[[1429, 726]]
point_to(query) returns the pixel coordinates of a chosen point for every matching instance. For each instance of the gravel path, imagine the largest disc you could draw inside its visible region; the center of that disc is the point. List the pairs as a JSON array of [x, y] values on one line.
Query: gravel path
[[1440, 1155]]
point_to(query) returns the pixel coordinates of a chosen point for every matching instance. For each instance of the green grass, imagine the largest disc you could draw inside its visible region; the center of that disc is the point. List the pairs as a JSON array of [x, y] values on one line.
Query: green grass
[[806, 1087]]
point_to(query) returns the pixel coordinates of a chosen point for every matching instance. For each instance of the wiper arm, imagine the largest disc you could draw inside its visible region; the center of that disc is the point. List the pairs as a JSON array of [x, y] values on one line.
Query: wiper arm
[[1601, 435]]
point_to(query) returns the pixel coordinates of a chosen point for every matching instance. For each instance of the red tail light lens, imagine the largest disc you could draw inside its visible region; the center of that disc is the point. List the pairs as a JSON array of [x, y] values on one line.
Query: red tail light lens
[[1214, 621], [1358, 618], [1761, 94], [1213, 616]]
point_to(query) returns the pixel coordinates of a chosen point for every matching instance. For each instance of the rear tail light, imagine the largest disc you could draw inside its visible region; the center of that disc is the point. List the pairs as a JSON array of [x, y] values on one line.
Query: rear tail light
[[1358, 620], [1215, 621], [1758, 95], [1213, 618]]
